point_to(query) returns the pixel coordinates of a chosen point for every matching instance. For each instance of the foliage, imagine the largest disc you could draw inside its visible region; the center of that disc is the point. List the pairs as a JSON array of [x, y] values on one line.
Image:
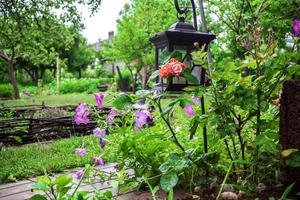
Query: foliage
[[139, 20], [81, 56], [82, 85], [61, 187], [126, 82], [17, 162], [6, 91], [29, 30]]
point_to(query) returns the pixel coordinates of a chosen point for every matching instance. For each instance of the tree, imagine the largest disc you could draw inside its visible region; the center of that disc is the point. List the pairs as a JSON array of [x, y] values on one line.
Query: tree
[[81, 55], [24, 24], [140, 20]]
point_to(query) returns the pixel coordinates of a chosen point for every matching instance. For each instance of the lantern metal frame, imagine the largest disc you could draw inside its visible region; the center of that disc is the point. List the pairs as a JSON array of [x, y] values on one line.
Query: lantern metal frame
[[183, 36]]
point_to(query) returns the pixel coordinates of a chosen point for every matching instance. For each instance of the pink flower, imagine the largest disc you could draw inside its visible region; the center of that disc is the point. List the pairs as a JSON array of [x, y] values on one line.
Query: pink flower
[[80, 152], [81, 116], [296, 27], [112, 114], [98, 161], [196, 99], [142, 117], [99, 99], [189, 110], [79, 174], [26, 93], [102, 142], [176, 68], [99, 133]]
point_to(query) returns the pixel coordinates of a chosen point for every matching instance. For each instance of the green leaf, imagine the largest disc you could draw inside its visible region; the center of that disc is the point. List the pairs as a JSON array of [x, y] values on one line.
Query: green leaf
[[40, 186], [184, 102], [154, 75], [128, 186], [287, 191], [44, 179], [165, 167], [122, 102], [18, 139], [189, 76], [63, 181], [168, 181], [38, 197], [288, 152], [293, 160]]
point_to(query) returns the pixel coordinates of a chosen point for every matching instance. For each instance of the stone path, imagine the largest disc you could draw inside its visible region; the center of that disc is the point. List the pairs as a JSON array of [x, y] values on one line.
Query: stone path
[[21, 190]]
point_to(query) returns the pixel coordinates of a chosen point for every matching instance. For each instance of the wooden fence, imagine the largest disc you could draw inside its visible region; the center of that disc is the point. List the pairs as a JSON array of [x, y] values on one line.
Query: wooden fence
[[30, 124]]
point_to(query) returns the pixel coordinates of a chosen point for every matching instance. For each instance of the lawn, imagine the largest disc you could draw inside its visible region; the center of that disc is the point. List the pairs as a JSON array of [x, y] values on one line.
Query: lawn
[[53, 100], [34, 159], [55, 156]]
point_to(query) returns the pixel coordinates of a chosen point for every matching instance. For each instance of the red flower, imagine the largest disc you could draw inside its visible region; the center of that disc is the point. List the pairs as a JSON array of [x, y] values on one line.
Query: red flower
[[165, 71], [173, 67], [173, 60]]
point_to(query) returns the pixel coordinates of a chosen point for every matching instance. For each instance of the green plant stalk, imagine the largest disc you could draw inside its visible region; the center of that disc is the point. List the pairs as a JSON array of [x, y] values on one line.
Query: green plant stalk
[[205, 144], [151, 189], [78, 185], [171, 194], [224, 181]]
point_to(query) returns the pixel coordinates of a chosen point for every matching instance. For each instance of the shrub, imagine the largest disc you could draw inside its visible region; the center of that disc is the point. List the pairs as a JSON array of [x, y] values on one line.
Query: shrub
[[6, 91], [82, 85], [31, 89], [127, 80]]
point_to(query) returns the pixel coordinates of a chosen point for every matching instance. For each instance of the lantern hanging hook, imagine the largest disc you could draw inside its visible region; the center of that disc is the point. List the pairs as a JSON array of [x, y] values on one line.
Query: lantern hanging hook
[[181, 11]]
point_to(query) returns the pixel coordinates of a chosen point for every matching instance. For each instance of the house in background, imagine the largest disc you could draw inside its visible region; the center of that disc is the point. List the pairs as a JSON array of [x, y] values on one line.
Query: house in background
[[106, 63]]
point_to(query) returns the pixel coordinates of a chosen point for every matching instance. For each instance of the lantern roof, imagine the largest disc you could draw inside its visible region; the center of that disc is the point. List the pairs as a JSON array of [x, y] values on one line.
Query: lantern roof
[[181, 35]]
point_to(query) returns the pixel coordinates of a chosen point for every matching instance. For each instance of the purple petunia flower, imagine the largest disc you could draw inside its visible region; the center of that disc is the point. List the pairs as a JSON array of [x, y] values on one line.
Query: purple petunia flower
[[102, 142], [98, 161], [111, 115], [296, 27], [142, 117], [79, 174], [80, 152], [99, 99], [99, 133], [26, 93], [196, 99], [189, 110], [81, 116]]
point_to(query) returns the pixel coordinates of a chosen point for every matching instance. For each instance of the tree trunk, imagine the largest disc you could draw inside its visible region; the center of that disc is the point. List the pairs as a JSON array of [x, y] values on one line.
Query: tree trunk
[[12, 77], [134, 83], [144, 81], [57, 75]]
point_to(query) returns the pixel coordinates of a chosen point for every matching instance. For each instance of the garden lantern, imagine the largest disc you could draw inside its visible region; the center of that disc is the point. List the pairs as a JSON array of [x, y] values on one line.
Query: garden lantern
[[181, 36]]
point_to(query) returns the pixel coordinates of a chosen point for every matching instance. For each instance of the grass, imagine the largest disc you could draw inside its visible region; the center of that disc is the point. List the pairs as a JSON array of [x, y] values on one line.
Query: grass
[[53, 100], [33, 160]]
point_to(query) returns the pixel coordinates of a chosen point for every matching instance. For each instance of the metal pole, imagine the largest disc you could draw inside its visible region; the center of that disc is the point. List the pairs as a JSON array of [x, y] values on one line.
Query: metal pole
[[203, 71], [204, 29]]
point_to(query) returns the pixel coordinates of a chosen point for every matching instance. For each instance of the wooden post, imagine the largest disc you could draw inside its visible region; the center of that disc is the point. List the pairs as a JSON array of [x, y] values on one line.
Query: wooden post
[[290, 130], [57, 75]]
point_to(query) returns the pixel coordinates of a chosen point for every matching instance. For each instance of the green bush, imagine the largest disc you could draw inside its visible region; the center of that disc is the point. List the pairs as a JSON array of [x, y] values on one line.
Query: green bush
[[31, 89], [6, 91], [127, 80], [82, 85]]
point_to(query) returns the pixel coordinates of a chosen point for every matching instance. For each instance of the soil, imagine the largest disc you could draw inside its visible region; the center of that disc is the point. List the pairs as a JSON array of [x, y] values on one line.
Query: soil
[[180, 194]]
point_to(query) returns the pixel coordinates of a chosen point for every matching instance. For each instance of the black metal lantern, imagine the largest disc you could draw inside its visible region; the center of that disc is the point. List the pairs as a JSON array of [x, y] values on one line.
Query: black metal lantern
[[182, 36]]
